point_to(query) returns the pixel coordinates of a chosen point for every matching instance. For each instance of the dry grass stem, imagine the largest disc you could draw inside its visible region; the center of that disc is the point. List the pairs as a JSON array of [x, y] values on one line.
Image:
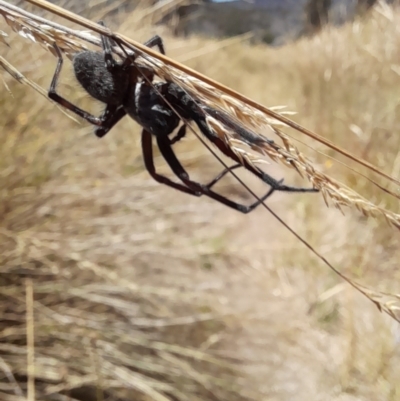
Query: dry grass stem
[[30, 339], [44, 32]]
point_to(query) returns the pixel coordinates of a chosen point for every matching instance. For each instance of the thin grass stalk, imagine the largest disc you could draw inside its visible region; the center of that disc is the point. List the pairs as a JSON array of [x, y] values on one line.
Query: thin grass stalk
[[30, 339]]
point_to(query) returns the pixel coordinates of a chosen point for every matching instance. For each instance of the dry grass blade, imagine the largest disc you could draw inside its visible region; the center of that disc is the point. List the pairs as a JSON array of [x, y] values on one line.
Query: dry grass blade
[[38, 30], [8, 373], [332, 190], [20, 77], [3, 36], [30, 339], [388, 303], [8, 67]]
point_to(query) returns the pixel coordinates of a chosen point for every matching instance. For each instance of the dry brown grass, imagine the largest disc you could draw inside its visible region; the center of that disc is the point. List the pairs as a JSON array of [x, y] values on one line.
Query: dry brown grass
[[140, 290]]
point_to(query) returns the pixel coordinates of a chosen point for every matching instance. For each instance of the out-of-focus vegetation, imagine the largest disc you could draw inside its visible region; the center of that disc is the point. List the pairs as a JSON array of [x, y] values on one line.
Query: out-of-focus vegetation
[[143, 293]]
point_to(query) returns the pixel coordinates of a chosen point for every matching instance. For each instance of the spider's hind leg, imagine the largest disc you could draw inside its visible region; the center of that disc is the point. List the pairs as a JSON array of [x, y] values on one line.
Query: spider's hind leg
[[278, 186], [170, 157], [227, 151], [179, 135], [111, 115], [53, 95]]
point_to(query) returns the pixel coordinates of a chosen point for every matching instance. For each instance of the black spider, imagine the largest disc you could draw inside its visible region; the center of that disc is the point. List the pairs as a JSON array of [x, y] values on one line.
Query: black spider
[[126, 88]]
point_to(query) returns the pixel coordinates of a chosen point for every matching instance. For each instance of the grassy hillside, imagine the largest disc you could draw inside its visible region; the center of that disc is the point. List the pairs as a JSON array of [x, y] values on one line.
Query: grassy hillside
[[144, 293]]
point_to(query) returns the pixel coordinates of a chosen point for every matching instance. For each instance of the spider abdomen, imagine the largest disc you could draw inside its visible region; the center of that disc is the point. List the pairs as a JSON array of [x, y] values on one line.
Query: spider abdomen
[[104, 85]]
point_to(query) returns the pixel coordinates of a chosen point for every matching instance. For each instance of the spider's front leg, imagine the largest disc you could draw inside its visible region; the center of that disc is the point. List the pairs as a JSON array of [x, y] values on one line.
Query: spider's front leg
[[147, 150], [53, 95], [249, 137], [156, 41], [111, 115]]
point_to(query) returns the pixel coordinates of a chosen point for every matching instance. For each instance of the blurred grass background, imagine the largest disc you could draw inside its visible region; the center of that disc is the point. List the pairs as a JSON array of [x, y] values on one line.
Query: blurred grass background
[[144, 293]]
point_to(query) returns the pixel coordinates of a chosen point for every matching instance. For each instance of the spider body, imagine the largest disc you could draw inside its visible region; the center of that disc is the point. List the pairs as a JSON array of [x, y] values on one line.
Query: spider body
[[128, 89], [146, 105]]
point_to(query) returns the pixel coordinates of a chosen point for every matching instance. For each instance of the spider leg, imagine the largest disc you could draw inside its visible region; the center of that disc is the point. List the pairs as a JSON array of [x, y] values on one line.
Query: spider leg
[[106, 45], [180, 134], [180, 172], [147, 149], [146, 72], [64, 102], [272, 182], [222, 174], [110, 117], [156, 41]]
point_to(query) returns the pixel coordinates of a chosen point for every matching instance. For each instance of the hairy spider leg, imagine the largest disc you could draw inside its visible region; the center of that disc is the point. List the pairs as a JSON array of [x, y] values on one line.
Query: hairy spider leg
[[149, 163], [225, 149], [249, 136], [181, 134], [98, 121], [110, 117], [106, 46], [155, 41], [148, 157], [170, 157]]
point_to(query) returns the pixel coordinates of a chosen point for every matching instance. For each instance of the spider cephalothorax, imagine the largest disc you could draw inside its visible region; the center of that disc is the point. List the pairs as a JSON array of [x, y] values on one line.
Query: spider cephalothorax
[[126, 88]]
